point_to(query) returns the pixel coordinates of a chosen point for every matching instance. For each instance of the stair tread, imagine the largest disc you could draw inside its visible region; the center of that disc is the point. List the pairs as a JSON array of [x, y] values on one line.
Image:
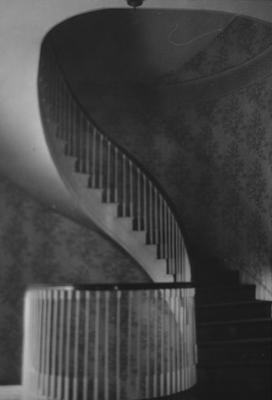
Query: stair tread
[[227, 286], [236, 321], [234, 304], [231, 342]]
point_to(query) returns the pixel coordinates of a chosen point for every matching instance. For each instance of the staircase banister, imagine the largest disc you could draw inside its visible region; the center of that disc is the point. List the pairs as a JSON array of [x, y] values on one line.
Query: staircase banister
[[113, 286], [121, 149]]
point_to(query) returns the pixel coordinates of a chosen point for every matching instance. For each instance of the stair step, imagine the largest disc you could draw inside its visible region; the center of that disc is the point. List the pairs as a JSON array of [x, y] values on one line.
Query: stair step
[[126, 222], [235, 310], [110, 209], [140, 236], [217, 275], [224, 294], [235, 379], [81, 178], [248, 352], [95, 193], [252, 328]]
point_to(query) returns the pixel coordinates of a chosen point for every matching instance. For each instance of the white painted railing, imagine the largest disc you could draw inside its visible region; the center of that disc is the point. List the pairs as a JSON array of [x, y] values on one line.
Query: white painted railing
[[110, 168], [108, 342]]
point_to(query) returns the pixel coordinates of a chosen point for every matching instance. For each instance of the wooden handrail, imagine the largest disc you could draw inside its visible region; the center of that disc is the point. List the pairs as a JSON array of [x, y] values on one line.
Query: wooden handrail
[[110, 167]]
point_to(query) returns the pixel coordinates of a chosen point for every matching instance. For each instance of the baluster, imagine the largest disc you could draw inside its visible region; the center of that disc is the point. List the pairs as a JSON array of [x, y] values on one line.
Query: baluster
[[101, 156], [178, 311], [107, 327], [139, 225], [26, 340], [155, 336], [174, 365], [138, 342], [96, 345], [47, 345], [144, 204], [69, 127], [169, 336], [183, 273], [57, 115], [60, 109], [67, 349], [118, 352], [161, 255], [54, 343], [131, 188], [129, 350], [74, 130], [60, 346], [65, 113], [124, 200], [183, 338], [88, 150], [151, 229], [39, 339], [162, 369], [108, 197], [147, 374], [78, 134], [55, 106], [86, 346], [82, 134], [30, 323], [76, 344], [116, 174], [156, 217], [31, 338], [169, 242], [63, 133], [173, 248], [165, 231], [94, 159], [178, 260]]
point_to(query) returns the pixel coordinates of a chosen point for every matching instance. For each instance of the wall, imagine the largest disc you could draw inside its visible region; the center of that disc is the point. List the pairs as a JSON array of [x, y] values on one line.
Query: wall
[[39, 246], [212, 156]]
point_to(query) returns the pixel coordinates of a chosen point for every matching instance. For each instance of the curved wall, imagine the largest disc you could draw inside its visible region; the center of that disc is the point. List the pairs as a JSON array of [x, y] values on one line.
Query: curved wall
[[210, 152], [23, 24], [40, 246]]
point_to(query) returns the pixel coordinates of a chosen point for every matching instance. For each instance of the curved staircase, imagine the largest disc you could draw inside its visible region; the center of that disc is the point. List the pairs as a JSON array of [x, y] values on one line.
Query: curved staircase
[[122, 200], [113, 190]]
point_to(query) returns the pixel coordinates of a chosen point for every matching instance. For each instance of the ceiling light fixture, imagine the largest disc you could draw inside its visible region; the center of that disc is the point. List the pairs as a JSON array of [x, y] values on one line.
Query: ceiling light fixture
[[135, 3]]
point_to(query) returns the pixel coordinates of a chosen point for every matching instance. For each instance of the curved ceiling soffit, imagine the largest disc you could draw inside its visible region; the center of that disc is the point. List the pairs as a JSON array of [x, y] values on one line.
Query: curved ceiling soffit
[[227, 80], [260, 10], [23, 25]]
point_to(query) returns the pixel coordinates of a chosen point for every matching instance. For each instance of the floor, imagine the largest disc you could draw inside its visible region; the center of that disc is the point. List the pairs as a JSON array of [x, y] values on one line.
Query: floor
[[15, 392]]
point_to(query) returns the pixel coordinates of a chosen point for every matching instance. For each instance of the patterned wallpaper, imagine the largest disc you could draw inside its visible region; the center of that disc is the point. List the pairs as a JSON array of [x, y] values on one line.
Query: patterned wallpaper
[[38, 246], [241, 41], [213, 158]]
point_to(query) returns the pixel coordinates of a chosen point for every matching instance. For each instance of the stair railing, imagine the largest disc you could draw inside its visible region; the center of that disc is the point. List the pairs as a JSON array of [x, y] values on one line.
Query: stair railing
[[110, 168], [108, 341]]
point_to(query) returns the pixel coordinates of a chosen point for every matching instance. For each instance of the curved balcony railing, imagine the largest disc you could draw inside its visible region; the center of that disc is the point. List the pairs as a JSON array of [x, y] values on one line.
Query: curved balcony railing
[[110, 168], [108, 341]]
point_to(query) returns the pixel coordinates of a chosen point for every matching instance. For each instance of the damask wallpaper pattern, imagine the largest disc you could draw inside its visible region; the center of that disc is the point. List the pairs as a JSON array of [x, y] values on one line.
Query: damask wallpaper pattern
[[212, 156], [241, 41], [38, 246]]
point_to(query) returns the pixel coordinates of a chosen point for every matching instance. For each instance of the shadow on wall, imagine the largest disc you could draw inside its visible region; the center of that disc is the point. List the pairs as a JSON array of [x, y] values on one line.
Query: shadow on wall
[[38, 246], [213, 157]]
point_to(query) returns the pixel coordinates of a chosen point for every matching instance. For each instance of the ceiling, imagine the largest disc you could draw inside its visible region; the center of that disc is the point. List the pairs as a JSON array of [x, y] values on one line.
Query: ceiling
[[117, 46]]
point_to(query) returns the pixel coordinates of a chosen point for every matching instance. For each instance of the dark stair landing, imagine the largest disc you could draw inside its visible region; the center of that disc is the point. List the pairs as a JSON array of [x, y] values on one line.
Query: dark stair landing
[[234, 341]]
